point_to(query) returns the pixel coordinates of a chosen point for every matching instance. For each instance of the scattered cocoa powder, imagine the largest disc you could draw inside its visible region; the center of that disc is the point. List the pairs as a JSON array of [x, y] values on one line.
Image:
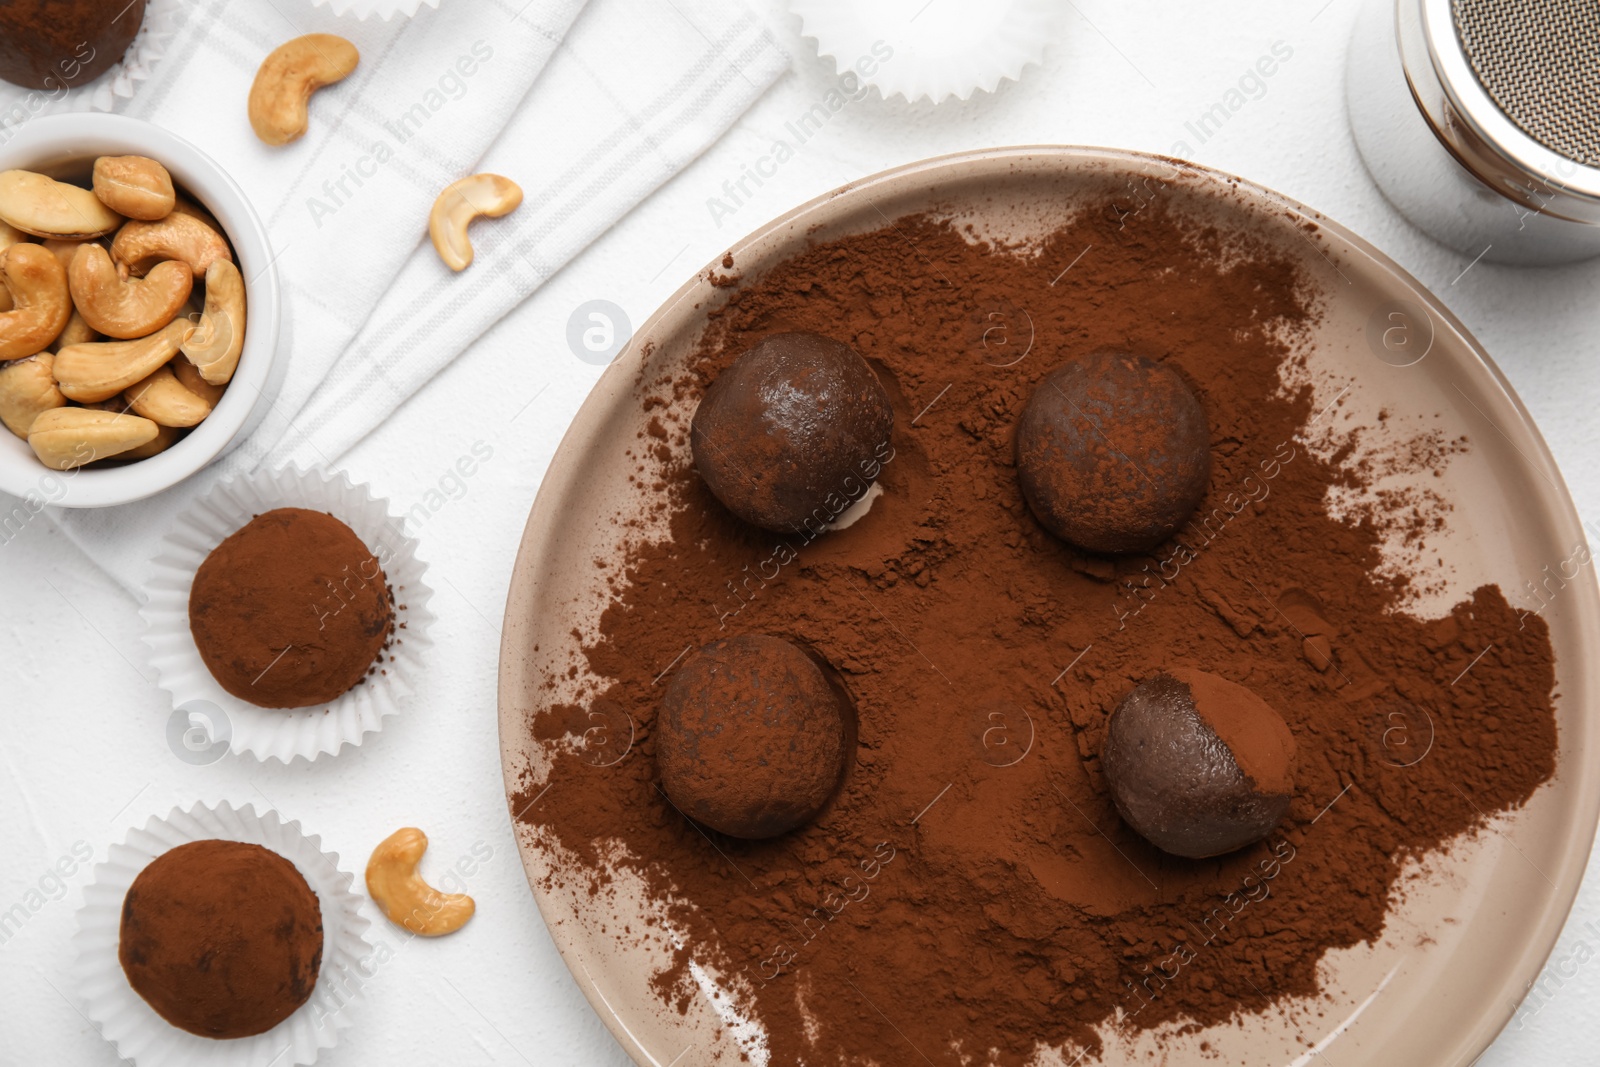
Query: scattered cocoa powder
[[972, 895]]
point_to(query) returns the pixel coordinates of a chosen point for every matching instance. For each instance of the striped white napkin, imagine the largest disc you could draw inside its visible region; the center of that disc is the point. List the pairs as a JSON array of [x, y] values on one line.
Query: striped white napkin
[[632, 93]]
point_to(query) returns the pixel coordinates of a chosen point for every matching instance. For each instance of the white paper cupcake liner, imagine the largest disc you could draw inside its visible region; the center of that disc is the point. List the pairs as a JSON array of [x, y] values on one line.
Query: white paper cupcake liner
[[274, 733], [919, 50], [113, 89], [383, 9], [138, 1033]]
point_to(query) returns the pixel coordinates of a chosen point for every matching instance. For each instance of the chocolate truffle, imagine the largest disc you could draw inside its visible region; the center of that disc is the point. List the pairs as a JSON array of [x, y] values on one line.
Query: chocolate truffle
[[793, 432], [291, 610], [1113, 452], [223, 939], [54, 44], [1197, 765], [752, 738]]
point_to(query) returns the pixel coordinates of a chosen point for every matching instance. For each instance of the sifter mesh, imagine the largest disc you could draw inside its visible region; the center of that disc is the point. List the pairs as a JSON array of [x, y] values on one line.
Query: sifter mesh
[[1540, 62]]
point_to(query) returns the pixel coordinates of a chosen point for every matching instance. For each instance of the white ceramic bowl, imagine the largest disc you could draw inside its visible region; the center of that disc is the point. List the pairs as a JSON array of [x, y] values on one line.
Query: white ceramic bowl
[[66, 146]]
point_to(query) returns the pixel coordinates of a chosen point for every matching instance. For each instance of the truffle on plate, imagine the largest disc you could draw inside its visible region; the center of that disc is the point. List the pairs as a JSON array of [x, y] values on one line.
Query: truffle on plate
[[1198, 765], [752, 737], [792, 432], [1113, 452]]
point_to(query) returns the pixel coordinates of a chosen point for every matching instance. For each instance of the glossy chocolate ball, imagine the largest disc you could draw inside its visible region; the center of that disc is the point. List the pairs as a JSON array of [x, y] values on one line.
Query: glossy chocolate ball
[[1113, 452], [52, 45], [793, 432], [1198, 765], [753, 738]]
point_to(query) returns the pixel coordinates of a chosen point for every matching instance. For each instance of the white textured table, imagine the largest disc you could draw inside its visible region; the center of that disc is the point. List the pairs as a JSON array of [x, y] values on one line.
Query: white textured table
[[83, 751]]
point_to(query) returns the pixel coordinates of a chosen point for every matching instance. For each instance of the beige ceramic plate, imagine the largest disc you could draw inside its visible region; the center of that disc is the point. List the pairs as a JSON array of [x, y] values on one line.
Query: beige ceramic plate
[[1430, 992]]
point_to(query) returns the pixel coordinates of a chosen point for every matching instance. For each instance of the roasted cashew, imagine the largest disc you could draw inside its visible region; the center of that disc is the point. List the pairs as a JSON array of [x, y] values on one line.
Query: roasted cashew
[[77, 331], [100, 371], [191, 378], [64, 438], [218, 339], [139, 246], [27, 389], [45, 207], [404, 897], [136, 307], [165, 438], [460, 203], [161, 398], [135, 186], [9, 235], [287, 78], [63, 249], [185, 206], [38, 288]]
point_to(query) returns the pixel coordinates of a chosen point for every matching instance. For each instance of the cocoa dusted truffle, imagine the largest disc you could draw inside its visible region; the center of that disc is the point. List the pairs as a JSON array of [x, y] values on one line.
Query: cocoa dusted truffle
[[753, 738], [1113, 452], [223, 939], [793, 432], [55, 44], [1198, 765], [291, 610]]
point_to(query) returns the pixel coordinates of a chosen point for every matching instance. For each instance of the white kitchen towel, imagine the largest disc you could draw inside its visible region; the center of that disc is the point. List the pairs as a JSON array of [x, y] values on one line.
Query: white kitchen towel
[[632, 95], [630, 135]]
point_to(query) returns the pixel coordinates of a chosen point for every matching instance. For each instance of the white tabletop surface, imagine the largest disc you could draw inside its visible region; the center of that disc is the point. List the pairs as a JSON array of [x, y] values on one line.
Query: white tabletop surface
[[83, 750]]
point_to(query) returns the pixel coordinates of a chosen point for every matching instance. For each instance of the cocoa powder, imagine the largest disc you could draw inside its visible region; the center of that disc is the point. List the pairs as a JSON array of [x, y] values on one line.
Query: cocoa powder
[[290, 610], [971, 894]]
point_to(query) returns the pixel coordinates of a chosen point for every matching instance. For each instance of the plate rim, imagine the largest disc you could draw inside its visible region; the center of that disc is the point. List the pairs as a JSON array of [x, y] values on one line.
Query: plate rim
[[1579, 835]]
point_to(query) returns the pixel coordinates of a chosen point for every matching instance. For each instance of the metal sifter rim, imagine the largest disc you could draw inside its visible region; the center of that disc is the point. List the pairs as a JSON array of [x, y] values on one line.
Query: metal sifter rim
[[1472, 127]]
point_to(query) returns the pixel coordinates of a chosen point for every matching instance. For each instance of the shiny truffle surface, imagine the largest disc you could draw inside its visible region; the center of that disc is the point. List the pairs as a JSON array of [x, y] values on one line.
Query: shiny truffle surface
[[1198, 765], [752, 738], [792, 432], [1113, 452], [222, 938]]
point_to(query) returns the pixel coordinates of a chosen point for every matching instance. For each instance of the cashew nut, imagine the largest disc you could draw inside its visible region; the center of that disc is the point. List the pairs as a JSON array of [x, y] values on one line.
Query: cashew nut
[[136, 307], [26, 390], [165, 438], [38, 287], [100, 371], [190, 377], [77, 331], [161, 398], [64, 438], [215, 345], [134, 186], [45, 207], [287, 78], [460, 203], [63, 249], [184, 206], [405, 898], [139, 246], [9, 235]]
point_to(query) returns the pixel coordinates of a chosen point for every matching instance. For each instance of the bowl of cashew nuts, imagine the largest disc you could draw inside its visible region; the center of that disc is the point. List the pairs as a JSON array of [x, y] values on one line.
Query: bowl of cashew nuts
[[139, 311]]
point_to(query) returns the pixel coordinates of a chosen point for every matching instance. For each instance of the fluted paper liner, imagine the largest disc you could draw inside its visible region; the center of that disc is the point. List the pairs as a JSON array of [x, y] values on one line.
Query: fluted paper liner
[[138, 1033], [938, 51], [285, 733]]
